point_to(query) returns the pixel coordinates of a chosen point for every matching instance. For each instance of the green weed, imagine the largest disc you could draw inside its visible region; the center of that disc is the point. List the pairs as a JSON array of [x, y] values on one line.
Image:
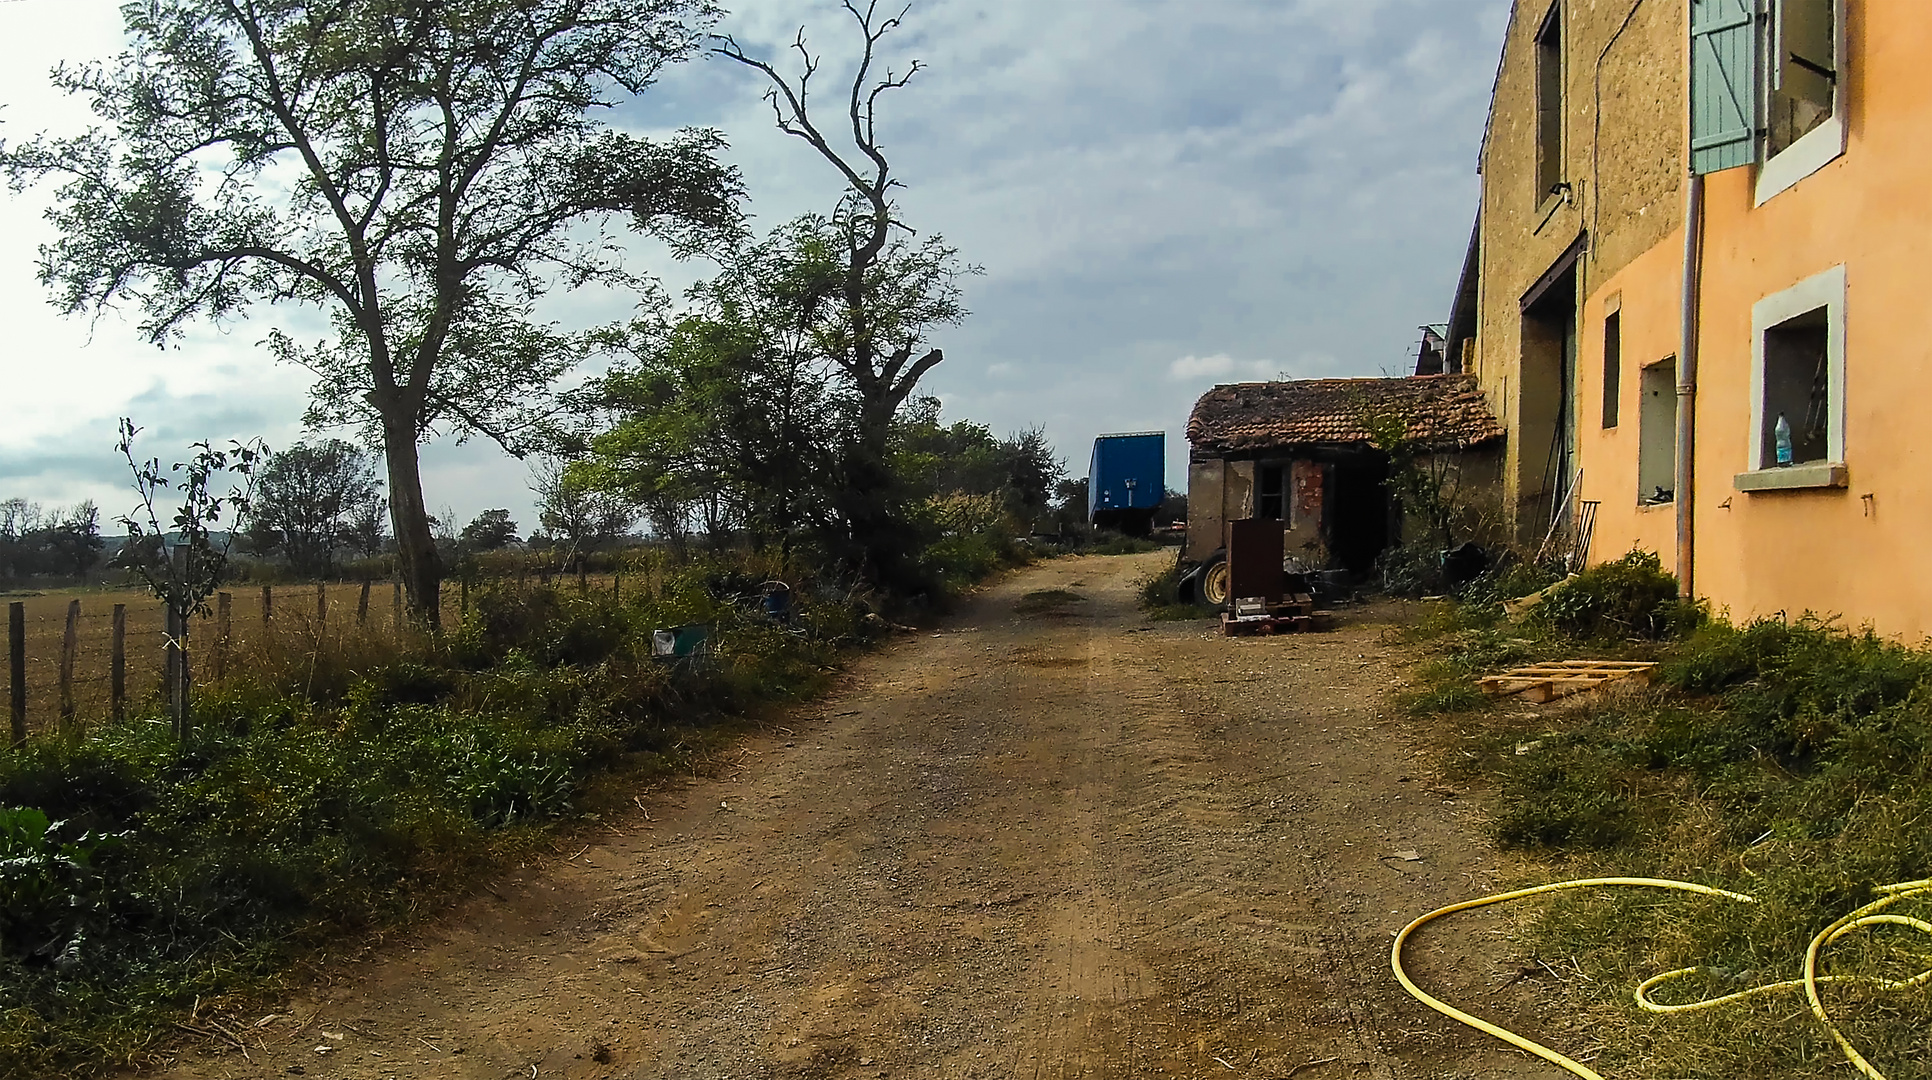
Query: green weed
[[1789, 761], [338, 783]]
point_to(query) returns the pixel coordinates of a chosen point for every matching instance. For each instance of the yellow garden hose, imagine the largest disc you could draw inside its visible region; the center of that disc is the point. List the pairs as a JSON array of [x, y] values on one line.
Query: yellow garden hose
[[1869, 915]]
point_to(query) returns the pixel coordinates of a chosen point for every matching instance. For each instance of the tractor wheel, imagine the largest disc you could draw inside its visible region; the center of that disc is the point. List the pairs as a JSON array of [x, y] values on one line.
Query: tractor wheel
[[1212, 592]]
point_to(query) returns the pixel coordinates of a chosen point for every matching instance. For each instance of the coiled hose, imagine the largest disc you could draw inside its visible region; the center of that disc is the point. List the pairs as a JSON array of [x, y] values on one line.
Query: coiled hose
[[1869, 915]]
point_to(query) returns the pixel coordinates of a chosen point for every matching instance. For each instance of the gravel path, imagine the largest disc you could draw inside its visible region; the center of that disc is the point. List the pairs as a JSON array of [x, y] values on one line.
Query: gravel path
[[1065, 843]]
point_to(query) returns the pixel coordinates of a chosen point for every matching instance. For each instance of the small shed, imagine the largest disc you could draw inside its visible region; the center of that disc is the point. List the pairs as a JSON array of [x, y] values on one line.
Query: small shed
[[1300, 452]]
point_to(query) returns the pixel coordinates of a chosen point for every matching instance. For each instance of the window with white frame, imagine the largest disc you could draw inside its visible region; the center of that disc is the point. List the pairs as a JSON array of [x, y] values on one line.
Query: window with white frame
[[1798, 374], [1767, 88], [1657, 432]]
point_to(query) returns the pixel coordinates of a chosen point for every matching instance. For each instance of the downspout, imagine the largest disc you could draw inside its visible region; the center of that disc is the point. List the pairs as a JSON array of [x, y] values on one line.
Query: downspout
[[1686, 494]]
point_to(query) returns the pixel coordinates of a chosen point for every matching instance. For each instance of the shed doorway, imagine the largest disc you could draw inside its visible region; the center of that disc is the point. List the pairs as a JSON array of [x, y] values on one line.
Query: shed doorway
[[1358, 513]]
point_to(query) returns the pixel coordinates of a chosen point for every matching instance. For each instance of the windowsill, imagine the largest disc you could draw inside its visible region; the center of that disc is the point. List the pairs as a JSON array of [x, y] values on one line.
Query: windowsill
[[1812, 474], [1547, 209], [1814, 150], [1650, 504]]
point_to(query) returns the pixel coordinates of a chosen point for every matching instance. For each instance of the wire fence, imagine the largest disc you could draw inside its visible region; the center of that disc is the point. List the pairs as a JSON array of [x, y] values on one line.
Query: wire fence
[[63, 678]]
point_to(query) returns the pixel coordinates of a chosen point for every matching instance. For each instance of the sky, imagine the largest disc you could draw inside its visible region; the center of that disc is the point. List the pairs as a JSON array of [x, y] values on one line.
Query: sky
[[1163, 195]]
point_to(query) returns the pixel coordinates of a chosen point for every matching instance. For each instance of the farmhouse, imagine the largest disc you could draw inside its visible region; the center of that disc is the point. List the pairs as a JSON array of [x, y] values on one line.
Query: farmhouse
[[1696, 293], [1313, 454]]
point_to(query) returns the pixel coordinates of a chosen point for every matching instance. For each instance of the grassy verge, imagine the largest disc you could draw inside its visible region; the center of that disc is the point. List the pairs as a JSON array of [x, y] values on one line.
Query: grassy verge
[[340, 786], [1788, 761]]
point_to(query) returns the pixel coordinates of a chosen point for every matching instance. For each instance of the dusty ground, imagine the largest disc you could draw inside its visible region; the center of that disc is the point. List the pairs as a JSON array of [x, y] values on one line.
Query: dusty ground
[[1062, 844]]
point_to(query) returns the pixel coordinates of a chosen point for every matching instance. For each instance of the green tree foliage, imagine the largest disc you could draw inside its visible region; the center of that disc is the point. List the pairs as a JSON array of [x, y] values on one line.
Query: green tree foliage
[[421, 170], [573, 511], [934, 458], [882, 295], [491, 529], [62, 543], [729, 416], [309, 500]]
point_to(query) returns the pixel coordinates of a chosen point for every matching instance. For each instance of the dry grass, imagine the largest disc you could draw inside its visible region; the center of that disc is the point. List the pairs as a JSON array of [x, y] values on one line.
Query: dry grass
[[294, 618]]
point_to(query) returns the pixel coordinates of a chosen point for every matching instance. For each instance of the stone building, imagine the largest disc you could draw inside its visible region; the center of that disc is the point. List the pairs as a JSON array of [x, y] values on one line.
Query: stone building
[[1302, 452], [1735, 393]]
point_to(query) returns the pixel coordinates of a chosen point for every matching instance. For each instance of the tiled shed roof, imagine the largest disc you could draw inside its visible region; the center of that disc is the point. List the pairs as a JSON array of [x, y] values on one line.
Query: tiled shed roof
[[1444, 412]]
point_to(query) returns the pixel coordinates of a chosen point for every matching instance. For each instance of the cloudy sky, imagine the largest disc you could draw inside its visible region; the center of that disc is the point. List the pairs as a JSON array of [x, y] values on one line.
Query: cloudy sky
[[1164, 195]]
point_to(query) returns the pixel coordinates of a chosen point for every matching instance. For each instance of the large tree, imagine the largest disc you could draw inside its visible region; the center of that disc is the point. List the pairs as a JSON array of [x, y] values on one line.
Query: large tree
[[888, 290], [420, 169]]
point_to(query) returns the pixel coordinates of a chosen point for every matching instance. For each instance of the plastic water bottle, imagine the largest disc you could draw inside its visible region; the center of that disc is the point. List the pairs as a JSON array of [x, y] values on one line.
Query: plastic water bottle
[[1781, 437]]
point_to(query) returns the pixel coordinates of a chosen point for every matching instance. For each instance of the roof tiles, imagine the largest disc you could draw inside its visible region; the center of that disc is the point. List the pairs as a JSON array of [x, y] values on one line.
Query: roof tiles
[[1443, 412]]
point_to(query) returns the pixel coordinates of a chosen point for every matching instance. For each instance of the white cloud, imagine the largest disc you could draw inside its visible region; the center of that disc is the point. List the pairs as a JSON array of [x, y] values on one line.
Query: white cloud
[[1220, 366], [1306, 195]]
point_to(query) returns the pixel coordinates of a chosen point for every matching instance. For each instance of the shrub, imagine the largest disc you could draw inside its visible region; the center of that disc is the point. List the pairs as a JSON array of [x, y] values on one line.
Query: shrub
[[1509, 579], [1630, 597]]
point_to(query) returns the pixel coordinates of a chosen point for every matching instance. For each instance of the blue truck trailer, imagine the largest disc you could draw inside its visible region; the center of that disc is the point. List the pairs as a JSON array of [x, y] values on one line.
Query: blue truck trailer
[[1127, 481]]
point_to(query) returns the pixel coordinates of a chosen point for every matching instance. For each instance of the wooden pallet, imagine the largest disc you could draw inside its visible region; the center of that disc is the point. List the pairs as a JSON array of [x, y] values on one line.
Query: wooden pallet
[[1286, 623], [1561, 678]]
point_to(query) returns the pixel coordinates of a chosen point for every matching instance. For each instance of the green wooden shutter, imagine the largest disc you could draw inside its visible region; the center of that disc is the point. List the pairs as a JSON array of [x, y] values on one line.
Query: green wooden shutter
[[1723, 84]]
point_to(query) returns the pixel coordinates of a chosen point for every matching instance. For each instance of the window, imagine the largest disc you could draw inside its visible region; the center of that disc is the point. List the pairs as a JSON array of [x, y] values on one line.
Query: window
[[1549, 104], [1801, 71], [1271, 502], [1803, 117], [1798, 386], [1657, 432], [1612, 366], [1797, 392], [1767, 90]]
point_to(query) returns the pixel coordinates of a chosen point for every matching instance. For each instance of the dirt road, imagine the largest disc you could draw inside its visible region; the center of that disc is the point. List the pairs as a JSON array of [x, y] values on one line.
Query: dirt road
[[1052, 840]]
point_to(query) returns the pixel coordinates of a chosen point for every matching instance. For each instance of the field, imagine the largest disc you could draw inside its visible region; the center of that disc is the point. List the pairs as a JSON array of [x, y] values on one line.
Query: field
[[294, 610]]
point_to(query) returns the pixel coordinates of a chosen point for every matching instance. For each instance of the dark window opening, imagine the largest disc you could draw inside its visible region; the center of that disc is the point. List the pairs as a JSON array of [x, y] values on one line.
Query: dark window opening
[[1271, 499], [1803, 71], [1549, 104], [1797, 391], [1612, 366], [1547, 406], [1657, 432]]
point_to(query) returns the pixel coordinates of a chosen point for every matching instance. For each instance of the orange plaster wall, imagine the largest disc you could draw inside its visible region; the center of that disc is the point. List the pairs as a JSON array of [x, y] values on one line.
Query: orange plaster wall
[[1829, 551], [1647, 289]]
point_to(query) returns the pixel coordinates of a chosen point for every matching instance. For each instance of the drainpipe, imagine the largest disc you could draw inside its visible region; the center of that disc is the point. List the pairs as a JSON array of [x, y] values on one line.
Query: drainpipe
[[1686, 494]]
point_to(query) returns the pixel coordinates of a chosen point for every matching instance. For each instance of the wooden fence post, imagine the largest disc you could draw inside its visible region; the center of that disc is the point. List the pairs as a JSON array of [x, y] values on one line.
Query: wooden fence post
[[397, 604], [268, 602], [171, 668], [321, 606], [17, 668], [224, 628], [617, 585], [69, 641], [362, 604], [463, 605], [117, 664]]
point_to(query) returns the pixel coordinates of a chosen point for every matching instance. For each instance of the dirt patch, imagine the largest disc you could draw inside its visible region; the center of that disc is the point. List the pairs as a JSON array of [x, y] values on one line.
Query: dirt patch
[[1047, 602], [1090, 846]]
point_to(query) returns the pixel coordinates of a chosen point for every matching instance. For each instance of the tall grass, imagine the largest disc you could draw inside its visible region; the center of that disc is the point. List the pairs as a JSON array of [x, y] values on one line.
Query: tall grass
[[340, 783]]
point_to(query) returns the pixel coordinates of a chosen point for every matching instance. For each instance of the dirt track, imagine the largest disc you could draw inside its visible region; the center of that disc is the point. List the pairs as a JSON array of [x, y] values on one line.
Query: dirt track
[[1065, 844]]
